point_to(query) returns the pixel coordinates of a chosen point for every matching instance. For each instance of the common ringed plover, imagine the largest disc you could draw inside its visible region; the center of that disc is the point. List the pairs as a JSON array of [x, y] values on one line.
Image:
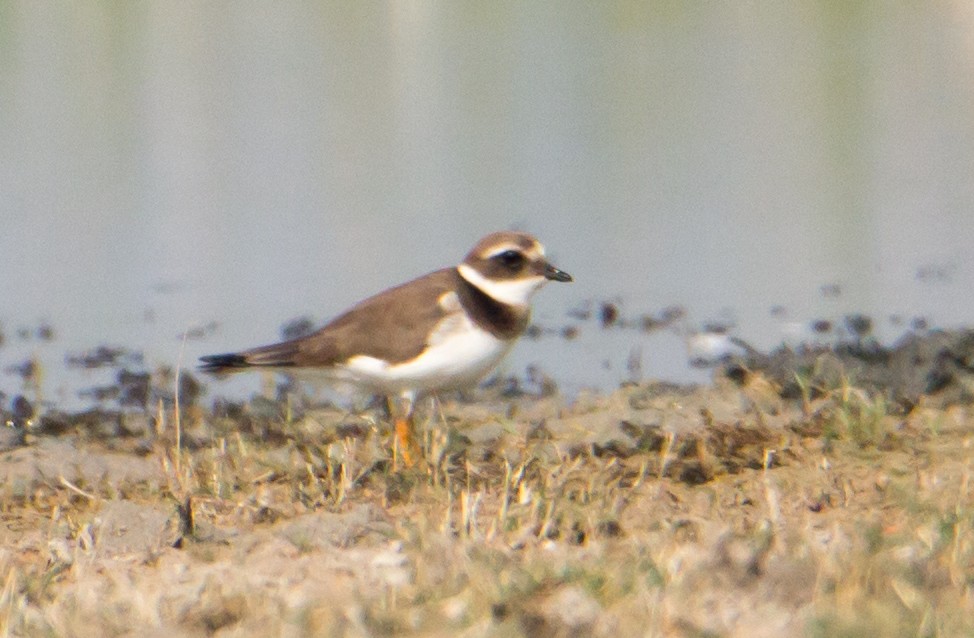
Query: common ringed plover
[[444, 330]]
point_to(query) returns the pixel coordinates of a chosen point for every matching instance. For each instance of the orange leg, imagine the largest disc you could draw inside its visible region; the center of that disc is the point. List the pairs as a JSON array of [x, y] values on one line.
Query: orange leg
[[406, 442]]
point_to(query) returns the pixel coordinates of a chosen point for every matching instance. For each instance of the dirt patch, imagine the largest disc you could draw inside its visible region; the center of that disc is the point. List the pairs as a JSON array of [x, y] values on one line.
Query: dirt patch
[[739, 509]]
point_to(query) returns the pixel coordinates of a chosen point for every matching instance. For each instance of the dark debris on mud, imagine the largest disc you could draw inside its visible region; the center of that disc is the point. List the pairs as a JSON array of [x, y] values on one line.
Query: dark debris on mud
[[692, 443], [937, 368]]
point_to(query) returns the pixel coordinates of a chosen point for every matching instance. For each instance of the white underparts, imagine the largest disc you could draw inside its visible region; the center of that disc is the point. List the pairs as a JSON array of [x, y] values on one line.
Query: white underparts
[[459, 353]]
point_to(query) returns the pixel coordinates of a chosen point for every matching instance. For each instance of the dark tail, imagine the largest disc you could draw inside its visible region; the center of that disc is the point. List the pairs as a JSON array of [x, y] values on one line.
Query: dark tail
[[276, 355], [217, 363]]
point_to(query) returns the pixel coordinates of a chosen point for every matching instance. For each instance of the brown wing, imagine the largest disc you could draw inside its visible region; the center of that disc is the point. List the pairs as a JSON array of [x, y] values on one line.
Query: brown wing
[[385, 326]]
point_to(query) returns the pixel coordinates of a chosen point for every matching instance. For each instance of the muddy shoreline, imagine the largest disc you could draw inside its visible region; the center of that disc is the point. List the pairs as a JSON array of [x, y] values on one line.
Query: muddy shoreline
[[809, 491], [930, 366]]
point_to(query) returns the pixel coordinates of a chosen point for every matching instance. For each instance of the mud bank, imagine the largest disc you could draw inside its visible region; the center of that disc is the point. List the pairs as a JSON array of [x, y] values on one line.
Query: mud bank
[[745, 508]]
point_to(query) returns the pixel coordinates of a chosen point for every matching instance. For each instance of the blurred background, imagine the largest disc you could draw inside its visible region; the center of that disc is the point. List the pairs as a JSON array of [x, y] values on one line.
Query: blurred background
[[218, 169]]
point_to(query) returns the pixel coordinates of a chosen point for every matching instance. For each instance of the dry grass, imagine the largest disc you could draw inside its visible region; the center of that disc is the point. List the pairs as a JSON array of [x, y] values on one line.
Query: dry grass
[[653, 511]]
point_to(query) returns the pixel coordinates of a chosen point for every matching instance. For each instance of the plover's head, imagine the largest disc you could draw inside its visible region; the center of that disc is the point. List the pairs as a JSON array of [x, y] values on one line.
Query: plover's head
[[509, 267]]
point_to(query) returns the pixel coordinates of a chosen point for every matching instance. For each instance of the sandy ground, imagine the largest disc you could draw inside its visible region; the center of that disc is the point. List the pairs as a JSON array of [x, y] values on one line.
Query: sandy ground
[[733, 510]]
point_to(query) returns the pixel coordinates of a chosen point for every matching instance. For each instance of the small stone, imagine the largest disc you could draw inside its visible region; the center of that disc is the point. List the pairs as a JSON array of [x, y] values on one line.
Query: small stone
[[572, 608], [455, 609]]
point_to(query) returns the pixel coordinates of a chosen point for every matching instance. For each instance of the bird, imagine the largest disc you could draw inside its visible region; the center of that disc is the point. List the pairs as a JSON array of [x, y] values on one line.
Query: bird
[[444, 330]]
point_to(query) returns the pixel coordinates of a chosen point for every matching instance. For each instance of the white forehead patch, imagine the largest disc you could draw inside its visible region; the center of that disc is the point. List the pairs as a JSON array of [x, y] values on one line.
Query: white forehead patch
[[513, 292]]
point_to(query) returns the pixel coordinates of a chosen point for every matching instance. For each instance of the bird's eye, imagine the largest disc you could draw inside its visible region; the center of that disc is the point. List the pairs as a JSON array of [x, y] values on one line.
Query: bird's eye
[[511, 259]]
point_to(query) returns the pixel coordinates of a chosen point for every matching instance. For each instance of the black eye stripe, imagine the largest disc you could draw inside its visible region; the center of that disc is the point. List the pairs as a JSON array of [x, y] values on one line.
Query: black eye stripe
[[510, 258]]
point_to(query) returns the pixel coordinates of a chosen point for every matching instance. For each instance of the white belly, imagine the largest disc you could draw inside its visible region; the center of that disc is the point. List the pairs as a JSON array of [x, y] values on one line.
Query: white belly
[[459, 354]]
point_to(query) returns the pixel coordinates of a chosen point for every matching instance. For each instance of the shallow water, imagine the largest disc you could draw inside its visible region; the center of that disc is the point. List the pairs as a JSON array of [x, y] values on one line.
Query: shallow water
[[165, 166]]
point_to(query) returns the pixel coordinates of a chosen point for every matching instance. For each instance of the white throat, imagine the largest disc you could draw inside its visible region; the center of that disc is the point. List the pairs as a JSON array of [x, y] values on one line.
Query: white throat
[[513, 292]]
